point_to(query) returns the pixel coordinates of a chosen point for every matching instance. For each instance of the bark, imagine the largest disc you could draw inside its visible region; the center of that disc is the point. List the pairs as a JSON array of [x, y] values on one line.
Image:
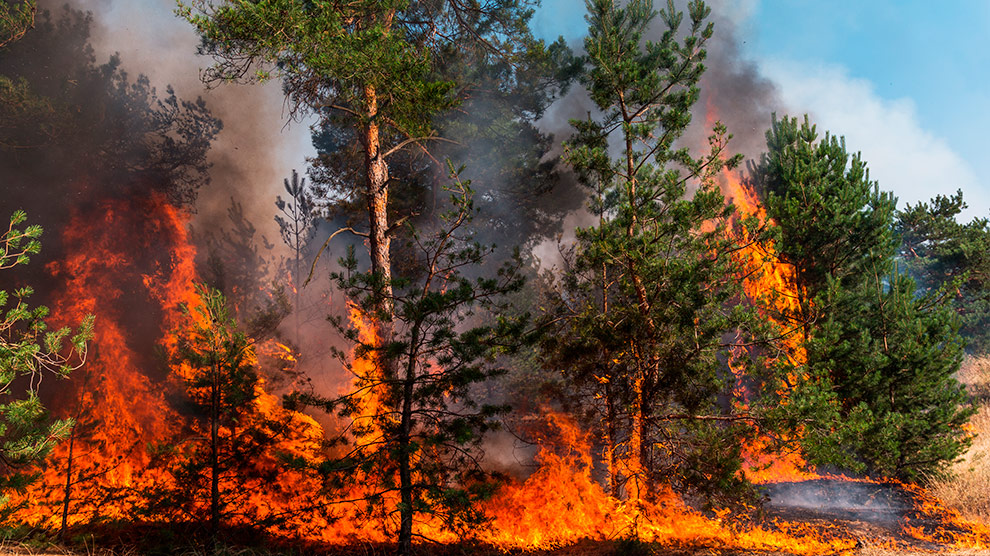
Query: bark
[[610, 437], [377, 192], [296, 285], [68, 484], [636, 480], [215, 461], [405, 467]]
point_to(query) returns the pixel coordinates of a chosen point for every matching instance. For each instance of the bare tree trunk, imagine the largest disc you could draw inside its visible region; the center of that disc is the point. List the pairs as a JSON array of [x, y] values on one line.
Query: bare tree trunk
[[215, 461], [67, 497], [635, 478], [610, 441], [296, 286]]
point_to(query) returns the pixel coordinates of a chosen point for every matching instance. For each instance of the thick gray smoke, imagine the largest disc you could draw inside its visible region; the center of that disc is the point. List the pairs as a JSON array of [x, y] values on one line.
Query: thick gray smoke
[[257, 148], [733, 88]]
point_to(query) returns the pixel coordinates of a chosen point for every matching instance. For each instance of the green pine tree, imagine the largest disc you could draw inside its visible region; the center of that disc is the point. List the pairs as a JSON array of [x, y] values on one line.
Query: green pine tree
[[372, 64], [651, 301], [230, 440], [946, 254], [29, 351], [889, 355], [417, 424], [16, 17], [878, 392], [834, 221]]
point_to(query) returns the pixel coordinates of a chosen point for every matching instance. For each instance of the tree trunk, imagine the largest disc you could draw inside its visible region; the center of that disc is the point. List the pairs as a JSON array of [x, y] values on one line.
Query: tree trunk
[[405, 460], [297, 287], [610, 434], [67, 498], [635, 472], [215, 461], [377, 191], [68, 484]]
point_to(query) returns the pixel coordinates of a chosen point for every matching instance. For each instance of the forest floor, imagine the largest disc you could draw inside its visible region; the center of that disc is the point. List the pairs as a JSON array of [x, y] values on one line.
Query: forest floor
[[596, 548], [882, 519], [872, 514]]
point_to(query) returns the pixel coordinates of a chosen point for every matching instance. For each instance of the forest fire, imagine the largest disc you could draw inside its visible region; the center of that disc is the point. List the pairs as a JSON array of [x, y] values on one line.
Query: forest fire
[[118, 408], [107, 469], [126, 404], [133, 269], [560, 504], [685, 373]]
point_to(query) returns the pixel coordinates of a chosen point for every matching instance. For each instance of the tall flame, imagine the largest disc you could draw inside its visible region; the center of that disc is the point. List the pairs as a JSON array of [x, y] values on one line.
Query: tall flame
[[132, 267]]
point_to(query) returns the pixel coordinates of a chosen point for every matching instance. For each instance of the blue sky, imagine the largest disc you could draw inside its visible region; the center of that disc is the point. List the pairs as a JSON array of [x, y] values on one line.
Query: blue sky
[[907, 82]]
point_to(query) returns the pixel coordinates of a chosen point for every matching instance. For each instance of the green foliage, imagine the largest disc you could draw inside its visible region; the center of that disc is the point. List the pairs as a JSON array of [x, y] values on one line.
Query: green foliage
[[70, 123], [420, 59], [220, 358], [29, 351], [835, 221], [954, 257], [878, 392], [648, 305], [326, 53], [16, 17], [18, 102], [890, 356], [413, 405]]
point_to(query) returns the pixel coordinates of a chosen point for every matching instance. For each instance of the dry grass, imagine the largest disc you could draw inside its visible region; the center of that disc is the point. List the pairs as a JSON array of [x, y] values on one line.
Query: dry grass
[[968, 491]]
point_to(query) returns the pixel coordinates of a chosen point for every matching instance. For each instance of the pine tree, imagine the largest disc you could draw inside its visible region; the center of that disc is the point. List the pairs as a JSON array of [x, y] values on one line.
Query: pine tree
[[296, 225], [109, 133], [889, 355], [878, 382], [28, 352], [945, 254], [652, 294], [372, 63], [416, 430], [15, 19], [835, 221], [231, 440], [376, 65]]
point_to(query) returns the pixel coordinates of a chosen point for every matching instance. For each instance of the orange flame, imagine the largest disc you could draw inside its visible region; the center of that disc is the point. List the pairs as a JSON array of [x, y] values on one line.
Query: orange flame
[[772, 285], [561, 504], [122, 408], [132, 269]]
